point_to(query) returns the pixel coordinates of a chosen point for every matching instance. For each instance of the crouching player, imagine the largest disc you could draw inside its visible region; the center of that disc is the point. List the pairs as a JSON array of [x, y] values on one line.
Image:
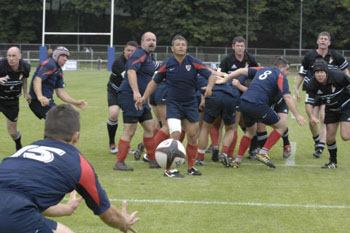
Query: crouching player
[[36, 178], [333, 88]]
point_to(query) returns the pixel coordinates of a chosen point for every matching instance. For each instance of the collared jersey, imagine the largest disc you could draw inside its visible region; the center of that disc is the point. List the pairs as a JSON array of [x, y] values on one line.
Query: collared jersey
[[230, 62], [144, 65], [181, 78], [333, 58], [52, 78], [334, 94], [11, 89], [266, 84], [46, 170]]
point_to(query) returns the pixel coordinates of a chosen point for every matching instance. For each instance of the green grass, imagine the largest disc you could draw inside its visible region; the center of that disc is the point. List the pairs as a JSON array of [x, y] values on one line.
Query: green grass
[[253, 198]]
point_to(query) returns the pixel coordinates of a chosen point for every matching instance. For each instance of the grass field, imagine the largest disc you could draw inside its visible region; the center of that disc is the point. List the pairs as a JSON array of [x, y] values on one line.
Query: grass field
[[297, 196]]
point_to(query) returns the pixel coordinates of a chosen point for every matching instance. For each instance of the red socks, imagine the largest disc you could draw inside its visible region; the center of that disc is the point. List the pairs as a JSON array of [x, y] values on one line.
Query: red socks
[[123, 149], [150, 147], [214, 136], [191, 152], [231, 150], [243, 146], [271, 140]]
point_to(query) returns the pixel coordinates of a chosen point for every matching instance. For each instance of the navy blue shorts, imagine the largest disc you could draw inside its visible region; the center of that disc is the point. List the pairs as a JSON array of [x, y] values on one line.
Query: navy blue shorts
[[127, 104], [19, 214], [253, 113], [159, 95], [39, 110], [220, 104], [183, 110]]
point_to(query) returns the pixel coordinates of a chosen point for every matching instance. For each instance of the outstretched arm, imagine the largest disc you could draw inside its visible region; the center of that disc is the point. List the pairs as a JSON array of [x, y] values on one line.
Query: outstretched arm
[[63, 95], [234, 74]]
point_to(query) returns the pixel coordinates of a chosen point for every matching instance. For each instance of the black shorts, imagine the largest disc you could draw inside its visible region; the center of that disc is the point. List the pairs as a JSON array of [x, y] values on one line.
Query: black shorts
[[342, 115], [147, 115], [10, 108], [112, 96], [281, 107], [39, 110]]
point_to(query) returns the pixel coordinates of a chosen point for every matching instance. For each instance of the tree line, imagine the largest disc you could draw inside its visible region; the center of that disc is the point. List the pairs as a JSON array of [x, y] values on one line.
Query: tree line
[[271, 23]]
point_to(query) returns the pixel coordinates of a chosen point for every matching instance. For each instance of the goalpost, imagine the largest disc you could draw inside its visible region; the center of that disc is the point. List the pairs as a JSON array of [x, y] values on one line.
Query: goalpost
[[110, 50]]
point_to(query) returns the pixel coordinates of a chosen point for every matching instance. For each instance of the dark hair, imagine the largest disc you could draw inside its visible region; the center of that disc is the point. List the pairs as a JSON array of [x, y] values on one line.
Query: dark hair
[[320, 65], [62, 121], [178, 37], [239, 39], [281, 61], [132, 43], [324, 33]]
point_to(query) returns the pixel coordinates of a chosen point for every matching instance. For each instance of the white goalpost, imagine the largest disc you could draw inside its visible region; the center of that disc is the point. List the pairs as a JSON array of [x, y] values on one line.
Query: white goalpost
[[111, 49]]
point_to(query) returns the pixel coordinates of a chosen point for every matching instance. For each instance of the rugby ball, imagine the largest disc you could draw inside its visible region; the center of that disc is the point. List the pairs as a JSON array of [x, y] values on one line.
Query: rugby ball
[[170, 153]]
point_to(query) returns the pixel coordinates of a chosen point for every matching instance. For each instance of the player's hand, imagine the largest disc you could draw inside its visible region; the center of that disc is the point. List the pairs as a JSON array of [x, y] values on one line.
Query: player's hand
[[44, 101], [27, 97], [130, 219], [139, 103], [4, 79], [297, 95], [236, 83], [137, 96], [73, 201], [300, 119], [314, 120], [201, 105], [82, 104]]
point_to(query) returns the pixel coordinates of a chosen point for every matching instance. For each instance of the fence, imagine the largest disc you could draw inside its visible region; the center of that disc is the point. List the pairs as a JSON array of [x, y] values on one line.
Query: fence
[[86, 55]]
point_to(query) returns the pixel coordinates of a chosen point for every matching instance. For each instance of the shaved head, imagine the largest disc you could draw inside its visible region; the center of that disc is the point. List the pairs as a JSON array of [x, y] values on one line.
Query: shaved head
[[13, 57]]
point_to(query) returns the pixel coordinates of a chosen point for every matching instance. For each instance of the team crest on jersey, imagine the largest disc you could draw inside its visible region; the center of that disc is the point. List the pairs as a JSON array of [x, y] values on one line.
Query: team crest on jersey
[[188, 67]]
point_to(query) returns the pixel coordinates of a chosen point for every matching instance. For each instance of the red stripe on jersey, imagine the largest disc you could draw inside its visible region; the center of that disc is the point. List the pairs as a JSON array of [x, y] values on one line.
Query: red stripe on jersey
[[141, 59], [87, 179], [280, 82], [199, 66], [257, 68], [50, 72], [162, 69], [43, 64]]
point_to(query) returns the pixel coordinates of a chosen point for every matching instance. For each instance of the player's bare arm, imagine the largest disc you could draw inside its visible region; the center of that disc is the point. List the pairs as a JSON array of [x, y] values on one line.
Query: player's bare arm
[[289, 101], [120, 219], [133, 84], [309, 111], [64, 209], [37, 83], [297, 86], [25, 90], [4, 79], [234, 74], [209, 87], [63, 95]]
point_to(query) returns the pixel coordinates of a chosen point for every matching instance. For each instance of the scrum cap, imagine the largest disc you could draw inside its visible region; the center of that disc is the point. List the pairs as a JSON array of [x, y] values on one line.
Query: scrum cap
[[320, 65], [59, 51]]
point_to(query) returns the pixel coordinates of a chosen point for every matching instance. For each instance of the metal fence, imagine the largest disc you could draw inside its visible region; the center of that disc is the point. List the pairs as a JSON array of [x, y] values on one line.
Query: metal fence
[[86, 55]]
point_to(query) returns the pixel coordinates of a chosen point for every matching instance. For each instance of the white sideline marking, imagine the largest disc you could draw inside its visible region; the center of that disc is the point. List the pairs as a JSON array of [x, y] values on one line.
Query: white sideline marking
[[314, 206], [291, 160]]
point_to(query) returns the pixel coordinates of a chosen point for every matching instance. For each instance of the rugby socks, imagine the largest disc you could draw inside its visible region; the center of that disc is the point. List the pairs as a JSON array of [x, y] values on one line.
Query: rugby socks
[[225, 149], [159, 137], [243, 146], [182, 135], [254, 143], [262, 137], [316, 139], [214, 136], [332, 148], [232, 147], [150, 147], [285, 138], [271, 140], [123, 149], [18, 141], [318, 144], [191, 154], [200, 154], [112, 127]]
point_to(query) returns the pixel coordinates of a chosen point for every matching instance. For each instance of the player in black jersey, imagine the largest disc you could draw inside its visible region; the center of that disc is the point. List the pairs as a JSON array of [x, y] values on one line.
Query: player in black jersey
[[332, 88], [14, 72], [334, 61], [116, 78]]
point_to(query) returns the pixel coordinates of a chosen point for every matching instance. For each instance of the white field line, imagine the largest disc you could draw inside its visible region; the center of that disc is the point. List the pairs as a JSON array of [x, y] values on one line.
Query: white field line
[[291, 160], [313, 206]]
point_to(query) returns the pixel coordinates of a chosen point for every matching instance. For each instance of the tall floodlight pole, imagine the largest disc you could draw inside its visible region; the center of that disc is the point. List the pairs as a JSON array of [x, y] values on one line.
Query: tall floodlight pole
[[301, 27], [247, 24]]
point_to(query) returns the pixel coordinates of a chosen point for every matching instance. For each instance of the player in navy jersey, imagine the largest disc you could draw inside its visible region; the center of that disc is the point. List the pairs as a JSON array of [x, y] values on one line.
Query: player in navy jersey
[[36, 178], [332, 87], [14, 72], [139, 71], [48, 78], [115, 80], [180, 73], [254, 105], [335, 61]]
